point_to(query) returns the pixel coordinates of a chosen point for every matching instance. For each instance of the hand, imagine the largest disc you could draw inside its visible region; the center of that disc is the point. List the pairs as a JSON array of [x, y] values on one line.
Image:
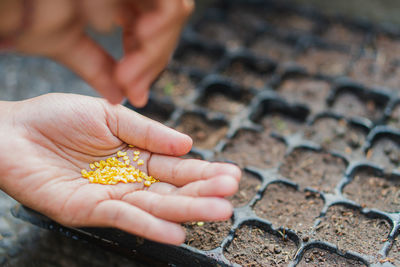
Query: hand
[[56, 29], [46, 141]]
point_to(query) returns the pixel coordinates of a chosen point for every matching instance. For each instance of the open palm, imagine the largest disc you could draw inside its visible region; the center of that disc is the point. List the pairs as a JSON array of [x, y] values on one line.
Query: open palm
[[46, 141]]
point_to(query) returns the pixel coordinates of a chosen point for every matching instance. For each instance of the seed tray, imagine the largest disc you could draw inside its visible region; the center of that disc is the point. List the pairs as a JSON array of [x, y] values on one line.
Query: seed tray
[[304, 105]]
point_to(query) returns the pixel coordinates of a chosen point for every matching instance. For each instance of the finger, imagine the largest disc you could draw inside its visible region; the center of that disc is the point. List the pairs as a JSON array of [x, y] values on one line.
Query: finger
[[179, 172], [100, 13], [94, 65], [121, 215], [135, 129], [181, 208]]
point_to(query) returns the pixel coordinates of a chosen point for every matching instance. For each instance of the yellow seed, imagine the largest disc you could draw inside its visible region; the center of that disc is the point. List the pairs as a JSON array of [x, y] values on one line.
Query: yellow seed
[[135, 158], [84, 173], [136, 152], [200, 223], [139, 180], [125, 157], [140, 162], [91, 165], [131, 146], [147, 183], [97, 164], [121, 154], [127, 162]]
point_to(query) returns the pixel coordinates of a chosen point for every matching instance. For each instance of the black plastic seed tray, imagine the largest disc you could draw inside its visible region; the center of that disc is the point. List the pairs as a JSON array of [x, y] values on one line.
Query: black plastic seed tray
[[309, 107]]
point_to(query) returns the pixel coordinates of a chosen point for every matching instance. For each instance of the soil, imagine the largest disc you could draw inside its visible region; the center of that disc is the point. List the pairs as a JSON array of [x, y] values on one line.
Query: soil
[[371, 191], [284, 206], [327, 62], [173, 85], [394, 120], [223, 103], [317, 257], [243, 75], [196, 59], [318, 170], [385, 152], [337, 135], [154, 110], [340, 34], [254, 246], [205, 134], [281, 124], [268, 46], [248, 188], [307, 91], [348, 229], [222, 33], [394, 252], [192, 155], [293, 23], [377, 71], [350, 105], [249, 148], [206, 235]]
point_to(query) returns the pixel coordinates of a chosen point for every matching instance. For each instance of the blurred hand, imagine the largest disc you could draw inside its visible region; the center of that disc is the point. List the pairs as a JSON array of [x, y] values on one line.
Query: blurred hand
[[47, 140], [56, 29]]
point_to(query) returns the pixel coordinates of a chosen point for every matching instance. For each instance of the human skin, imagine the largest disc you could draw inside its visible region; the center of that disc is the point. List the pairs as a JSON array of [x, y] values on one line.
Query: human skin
[[56, 29], [47, 140]]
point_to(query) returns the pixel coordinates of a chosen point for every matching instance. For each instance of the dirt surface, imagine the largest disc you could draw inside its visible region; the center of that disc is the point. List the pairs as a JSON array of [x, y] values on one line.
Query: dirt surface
[[225, 104], [247, 77], [205, 134], [196, 59], [249, 148], [394, 253], [173, 85], [281, 124], [290, 22], [349, 230], [350, 105], [394, 120], [327, 62], [271, 47], [286, 207], [340, 34], [223, 33], [254, 246], [320, 171], [317, 257], [307, 91], [371, 191], [385, 152], [206, 235], [248, 188], [336, 134]]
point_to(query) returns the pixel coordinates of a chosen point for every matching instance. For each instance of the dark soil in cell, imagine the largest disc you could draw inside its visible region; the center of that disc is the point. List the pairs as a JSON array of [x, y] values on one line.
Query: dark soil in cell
[[338, 135], [248, 188], [371, 191], [286, 207], [348, 229], [317, 257], [394, 253], [394, 120], [318, 170], [173, 85], [205, 134], [388, 47], [268, 46], [222, 33], [377, 70], [191, 155], [307, 91], [340, 34], [243, 75], [350, 105], [223, 103], [254, 246], [327, 62], [281, 124], [206, 235], [290, 22], [196, 59], [250, 148], [385, 152]]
